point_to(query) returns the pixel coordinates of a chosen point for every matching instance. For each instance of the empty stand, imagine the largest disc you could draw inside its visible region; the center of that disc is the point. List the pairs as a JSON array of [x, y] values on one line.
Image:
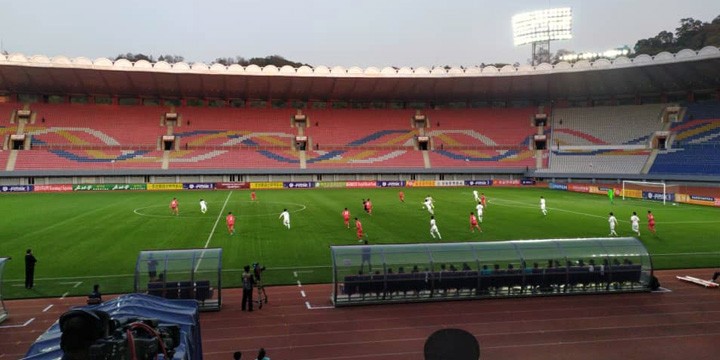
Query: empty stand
[[696, 143], [378, 158]]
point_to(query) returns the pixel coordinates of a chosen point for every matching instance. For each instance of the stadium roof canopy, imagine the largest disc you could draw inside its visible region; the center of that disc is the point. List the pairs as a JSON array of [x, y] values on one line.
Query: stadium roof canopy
[[687, 70]]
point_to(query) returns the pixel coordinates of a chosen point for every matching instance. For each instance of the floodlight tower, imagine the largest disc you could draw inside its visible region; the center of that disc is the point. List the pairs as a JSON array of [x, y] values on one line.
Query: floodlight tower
[[539, 28]]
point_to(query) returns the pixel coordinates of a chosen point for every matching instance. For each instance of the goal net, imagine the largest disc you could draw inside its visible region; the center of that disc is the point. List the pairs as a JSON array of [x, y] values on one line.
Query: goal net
[[655, 191]]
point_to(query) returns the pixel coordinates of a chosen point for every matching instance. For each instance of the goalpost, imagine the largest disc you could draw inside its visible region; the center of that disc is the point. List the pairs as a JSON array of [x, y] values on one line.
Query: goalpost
[[646, 190]]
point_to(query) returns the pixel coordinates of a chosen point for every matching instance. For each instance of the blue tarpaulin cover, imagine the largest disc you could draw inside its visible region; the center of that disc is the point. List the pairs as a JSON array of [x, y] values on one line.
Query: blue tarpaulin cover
[[183, 313]]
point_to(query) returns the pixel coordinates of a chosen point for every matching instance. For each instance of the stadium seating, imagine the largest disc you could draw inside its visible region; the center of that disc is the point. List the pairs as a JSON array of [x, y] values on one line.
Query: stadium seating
[[513, 158], [333, 128], [96, 125], [696, 143], [607, 125], [365, 158], [234, 158], [88, 159], [598, 162]]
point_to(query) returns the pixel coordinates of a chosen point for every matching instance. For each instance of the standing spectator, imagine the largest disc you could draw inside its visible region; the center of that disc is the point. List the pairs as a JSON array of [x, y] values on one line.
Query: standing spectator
[[95, 297], [248, 283], [261, 355], [29, 269], [365, 257], [152, 268]]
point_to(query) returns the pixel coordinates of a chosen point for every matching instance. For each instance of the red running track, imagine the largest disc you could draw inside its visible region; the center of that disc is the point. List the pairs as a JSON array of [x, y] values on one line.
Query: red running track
[[681, 324]]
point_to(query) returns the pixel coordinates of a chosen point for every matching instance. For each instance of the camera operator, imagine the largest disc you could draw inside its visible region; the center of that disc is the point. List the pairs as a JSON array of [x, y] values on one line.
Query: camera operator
[[248, 282], [262, 295]]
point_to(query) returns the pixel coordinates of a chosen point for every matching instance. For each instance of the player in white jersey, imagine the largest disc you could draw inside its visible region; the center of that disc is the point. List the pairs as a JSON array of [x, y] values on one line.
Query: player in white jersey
[[434, 229], [479, 210], [477, 197], [635, 221], [285, 215], [427, 204], [542, 206], [613, 223], [203, 206]]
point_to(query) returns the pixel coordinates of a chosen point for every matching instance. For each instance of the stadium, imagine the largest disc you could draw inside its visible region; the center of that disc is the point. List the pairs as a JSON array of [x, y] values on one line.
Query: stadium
[[94, 151]]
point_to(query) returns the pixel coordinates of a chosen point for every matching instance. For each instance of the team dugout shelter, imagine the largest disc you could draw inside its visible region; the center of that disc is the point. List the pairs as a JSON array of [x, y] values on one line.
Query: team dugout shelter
[[181, 274], [374, 274], [3, 309]]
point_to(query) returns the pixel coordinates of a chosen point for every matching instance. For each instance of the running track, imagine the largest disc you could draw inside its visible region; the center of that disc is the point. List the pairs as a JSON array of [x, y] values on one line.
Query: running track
[[682, 324]]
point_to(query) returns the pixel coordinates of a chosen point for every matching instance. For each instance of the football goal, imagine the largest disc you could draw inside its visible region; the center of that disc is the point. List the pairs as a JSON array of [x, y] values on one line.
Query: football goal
[[656, 191]]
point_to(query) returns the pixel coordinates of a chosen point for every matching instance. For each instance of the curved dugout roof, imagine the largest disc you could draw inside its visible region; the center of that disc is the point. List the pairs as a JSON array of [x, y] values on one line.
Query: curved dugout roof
[[663, 73]]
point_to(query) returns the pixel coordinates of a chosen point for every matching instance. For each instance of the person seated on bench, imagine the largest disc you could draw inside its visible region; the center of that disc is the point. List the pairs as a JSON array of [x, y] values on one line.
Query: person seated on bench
[[95, 297]]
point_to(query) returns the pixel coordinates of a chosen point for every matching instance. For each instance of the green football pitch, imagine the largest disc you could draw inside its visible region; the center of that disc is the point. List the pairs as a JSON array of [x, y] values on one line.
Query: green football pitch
[[84, 238]]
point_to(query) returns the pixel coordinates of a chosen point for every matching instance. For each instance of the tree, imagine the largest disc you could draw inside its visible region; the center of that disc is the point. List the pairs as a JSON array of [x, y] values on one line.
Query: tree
[[559, 54]]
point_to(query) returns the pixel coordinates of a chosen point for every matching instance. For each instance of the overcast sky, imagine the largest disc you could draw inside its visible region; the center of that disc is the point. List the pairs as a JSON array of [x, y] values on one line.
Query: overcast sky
[[326, 32]]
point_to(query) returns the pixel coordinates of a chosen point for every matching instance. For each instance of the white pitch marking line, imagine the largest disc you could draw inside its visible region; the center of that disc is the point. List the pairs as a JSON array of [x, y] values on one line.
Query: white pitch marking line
[[307, 303], [321, 307], [18, 326], [212, 232], [65, 294], [299, 284], [302, 292], [295, 273], [48, 308]]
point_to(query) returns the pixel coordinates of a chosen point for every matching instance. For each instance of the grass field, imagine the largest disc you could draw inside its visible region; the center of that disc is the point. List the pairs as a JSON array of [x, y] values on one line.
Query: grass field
[[85, 238]]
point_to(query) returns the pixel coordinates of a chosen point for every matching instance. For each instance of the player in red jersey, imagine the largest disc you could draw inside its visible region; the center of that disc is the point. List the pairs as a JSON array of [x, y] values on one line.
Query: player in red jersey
[[651, 221], [230, 220], [401, 195], [346, 217], [358, 227], [174, 206], [483, 201], [253, 197], [368, 206], [474, 223]]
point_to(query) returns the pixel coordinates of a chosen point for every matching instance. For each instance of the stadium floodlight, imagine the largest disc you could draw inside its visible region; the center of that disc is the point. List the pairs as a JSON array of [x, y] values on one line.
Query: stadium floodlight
[[539, 28]]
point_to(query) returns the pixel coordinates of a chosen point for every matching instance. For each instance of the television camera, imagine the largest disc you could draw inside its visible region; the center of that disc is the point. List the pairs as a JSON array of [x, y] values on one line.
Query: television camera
[[94, 335]]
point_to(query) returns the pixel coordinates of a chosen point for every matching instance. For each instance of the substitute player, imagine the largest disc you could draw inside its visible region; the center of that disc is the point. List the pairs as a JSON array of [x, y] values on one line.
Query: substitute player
[[635, 221], [543, 208], [203, 206], [479, 208], [285, 215], [613, 223], [651, 222], [346, 217], [358, 227], [174, 206], [474, 223], [230, 221], [434, 229]]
